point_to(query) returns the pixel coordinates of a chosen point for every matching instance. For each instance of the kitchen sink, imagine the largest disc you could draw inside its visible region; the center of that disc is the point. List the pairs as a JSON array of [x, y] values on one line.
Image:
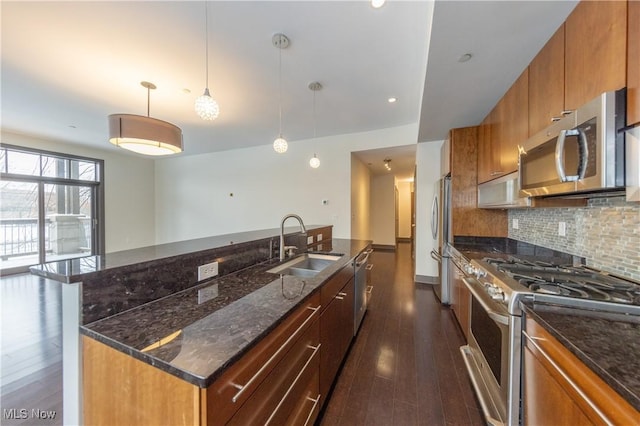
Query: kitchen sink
[[305, 265]]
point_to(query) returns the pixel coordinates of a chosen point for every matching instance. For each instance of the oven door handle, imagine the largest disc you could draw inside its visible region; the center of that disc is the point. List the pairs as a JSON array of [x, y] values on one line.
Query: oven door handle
[[493, 314]]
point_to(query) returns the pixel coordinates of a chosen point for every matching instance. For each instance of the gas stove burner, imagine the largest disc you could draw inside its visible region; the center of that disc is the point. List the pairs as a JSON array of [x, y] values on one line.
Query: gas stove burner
[[549, 289]]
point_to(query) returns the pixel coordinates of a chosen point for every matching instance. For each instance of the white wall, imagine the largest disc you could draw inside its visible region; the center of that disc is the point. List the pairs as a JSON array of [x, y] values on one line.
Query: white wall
[[428, 173], [404, 208], [383, 214], [129, 190], [193, 192], [360, 200]]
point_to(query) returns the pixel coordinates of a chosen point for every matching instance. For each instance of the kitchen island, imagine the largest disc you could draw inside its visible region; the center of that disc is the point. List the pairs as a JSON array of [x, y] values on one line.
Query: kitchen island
[[149, 279]]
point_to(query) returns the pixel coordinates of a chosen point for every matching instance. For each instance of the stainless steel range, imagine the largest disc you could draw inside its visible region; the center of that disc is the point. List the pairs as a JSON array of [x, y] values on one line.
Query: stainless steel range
[[497, 285]]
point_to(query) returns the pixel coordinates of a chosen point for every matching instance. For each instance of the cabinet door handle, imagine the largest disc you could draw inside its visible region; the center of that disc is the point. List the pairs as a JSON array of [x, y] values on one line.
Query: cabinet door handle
[[243, 388], [286, 394], [369, 267], [342, 293], [313, 408], [339, 297], [369, 289]]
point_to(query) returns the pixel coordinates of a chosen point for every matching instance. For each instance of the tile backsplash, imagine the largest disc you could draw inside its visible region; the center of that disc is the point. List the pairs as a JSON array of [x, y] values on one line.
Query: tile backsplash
[[606, 233]]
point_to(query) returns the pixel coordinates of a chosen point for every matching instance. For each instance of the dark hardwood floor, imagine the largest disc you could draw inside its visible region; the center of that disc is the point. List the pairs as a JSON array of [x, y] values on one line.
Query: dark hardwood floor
[[31, 362], [405, 366]]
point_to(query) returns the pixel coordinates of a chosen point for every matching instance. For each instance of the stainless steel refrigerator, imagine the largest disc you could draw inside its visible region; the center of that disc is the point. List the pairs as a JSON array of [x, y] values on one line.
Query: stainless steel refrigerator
[[441, 232]]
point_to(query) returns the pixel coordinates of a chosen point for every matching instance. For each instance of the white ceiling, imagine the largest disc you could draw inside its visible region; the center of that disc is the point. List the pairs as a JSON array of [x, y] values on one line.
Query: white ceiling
[[67, 65]]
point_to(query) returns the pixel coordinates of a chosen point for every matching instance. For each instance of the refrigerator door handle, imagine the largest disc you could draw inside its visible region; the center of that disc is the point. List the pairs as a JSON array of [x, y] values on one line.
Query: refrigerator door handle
[[434, 217]]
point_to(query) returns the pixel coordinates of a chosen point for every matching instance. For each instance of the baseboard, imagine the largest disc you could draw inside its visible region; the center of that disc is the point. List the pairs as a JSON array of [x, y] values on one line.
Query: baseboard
[[403, 239], [426, 279], [383, 247]]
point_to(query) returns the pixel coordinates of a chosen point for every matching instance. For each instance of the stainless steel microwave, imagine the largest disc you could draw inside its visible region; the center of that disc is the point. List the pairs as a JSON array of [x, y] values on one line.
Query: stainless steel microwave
[[582, 152]]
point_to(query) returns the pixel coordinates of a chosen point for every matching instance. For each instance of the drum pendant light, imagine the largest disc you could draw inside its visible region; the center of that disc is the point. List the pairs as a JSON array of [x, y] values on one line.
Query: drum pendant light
[[280, 41], [145, 135]]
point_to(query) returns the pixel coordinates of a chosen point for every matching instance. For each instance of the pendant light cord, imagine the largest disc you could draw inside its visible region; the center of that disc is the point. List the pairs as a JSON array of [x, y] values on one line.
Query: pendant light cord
[[206, 26], [314, 114], [280, 88], [148, 99]]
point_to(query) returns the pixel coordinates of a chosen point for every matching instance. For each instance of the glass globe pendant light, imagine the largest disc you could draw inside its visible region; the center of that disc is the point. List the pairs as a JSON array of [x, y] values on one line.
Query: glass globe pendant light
[[280, 41], [207, 107], [314, 87]]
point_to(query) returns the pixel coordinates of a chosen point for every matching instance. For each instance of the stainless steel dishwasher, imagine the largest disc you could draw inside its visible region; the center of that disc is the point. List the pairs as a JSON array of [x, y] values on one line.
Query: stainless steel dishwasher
[[362, 273]]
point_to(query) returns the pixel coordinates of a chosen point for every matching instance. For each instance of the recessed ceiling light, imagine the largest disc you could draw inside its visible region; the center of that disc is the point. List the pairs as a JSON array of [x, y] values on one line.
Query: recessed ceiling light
[[392, 100], [377, 3], [465, 58]]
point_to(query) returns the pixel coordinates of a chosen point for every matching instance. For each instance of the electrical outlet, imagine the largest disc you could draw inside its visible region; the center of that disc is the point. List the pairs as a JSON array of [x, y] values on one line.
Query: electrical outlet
[[562, 229], [319, 237], [207, 271], [515, 224], [310, 239], [207, 293]]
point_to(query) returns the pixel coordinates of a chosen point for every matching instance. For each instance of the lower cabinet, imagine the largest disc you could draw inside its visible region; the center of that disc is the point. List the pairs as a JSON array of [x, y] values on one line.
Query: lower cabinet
[[558, 389], [460, 298], [276, 382], [336, 332]]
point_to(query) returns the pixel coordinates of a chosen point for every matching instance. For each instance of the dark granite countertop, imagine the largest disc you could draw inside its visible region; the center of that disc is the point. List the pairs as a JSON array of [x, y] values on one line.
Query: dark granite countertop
[[609, 344], [480, 247], [202, 340], [75, 270]]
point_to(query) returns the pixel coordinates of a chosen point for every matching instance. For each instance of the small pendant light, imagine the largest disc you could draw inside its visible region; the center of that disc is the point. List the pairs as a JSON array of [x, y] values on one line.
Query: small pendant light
[[281, 42], [207, 107], [314, 87]]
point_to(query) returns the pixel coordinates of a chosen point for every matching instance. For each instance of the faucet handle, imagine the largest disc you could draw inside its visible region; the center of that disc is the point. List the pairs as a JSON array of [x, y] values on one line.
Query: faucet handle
[[291, 250]]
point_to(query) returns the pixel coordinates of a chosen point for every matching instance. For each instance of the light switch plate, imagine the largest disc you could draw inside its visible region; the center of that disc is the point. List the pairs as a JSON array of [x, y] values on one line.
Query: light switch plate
[[515, 224]]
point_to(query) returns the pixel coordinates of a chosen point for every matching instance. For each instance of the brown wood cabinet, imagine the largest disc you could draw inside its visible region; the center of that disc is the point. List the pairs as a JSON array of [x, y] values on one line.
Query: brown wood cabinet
[[514, 127], [558, 389], [595, 50], [460, 299], [336, 332], [546, 84], [279, 378], [506, 127], [489, 146], [633, 63], [466, 218]]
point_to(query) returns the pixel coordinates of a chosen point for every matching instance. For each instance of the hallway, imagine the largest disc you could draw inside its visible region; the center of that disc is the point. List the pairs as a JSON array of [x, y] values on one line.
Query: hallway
[[404, 368]]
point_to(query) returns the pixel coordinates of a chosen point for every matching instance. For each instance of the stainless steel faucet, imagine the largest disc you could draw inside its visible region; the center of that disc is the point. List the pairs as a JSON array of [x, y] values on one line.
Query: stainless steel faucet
[[284, 219]]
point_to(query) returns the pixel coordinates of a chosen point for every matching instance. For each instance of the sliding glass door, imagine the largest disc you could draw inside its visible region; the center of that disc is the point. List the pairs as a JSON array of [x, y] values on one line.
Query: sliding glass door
[[50, 208]]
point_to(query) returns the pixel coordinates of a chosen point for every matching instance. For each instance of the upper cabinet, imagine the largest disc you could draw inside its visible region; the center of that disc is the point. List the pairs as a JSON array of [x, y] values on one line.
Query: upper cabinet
[[502, 131], [595, 50], [515, 127], [546, 84], [633, 64]]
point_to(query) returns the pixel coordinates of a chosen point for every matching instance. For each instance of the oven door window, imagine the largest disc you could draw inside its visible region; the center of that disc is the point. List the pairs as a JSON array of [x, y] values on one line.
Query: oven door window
[[488, 335]]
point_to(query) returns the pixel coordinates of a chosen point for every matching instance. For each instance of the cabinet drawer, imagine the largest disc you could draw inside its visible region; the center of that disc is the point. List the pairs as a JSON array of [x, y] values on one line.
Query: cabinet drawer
[[307, 405], [273, 400], [227, 394], [335, 284]]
